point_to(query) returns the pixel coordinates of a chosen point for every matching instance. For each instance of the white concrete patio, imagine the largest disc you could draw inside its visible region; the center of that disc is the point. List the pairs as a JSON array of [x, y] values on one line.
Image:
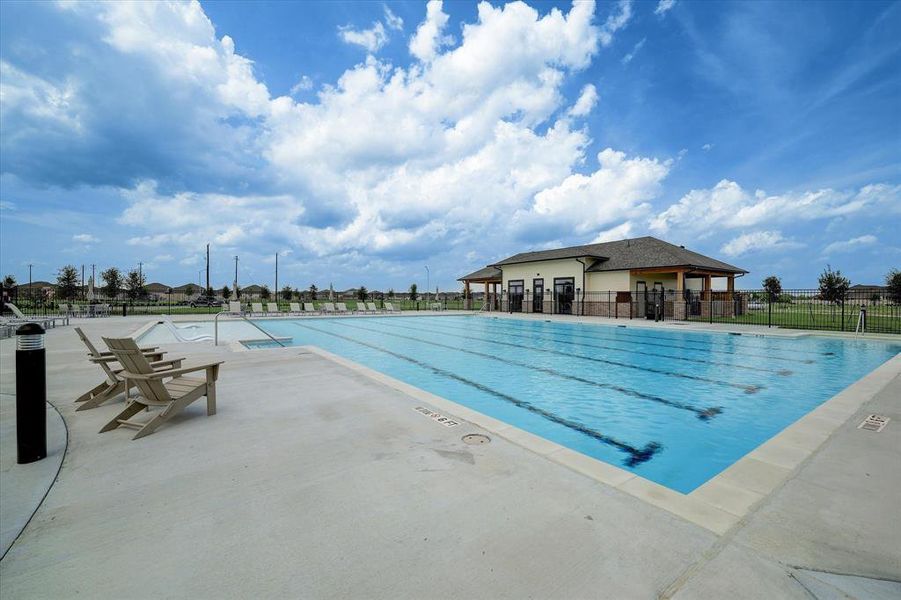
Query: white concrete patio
[[314, 480]]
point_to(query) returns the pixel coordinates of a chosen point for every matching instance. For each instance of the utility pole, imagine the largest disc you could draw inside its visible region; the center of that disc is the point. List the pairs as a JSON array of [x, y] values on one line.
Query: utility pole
[[140, 270], [276, 277], [30, 290], [428, 284], [236, 275], [82, 284], [207, 267]]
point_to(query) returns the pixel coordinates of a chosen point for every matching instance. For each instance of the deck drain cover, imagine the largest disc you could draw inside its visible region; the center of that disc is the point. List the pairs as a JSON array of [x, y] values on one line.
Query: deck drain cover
[[476, 439], [874, 423]]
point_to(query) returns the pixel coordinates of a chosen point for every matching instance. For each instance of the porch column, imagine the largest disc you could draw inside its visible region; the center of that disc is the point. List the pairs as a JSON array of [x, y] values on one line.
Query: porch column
[[467, 301], [679, 312], [680, 281], [486, 295]]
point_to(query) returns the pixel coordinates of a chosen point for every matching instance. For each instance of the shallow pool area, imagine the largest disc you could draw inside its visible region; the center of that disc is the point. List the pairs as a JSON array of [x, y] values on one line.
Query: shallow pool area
[[674, 407]]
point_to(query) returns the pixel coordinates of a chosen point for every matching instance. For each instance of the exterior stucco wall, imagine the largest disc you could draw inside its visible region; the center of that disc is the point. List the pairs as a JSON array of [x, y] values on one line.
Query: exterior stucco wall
[[547, 270]]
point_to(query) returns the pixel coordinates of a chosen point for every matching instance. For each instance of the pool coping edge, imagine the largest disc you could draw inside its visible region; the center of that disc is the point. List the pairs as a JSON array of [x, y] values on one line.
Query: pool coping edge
[[717, 505]]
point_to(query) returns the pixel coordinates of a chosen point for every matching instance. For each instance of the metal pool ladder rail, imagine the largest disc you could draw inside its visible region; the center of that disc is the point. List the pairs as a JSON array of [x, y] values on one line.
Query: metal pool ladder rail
[[216, 328]]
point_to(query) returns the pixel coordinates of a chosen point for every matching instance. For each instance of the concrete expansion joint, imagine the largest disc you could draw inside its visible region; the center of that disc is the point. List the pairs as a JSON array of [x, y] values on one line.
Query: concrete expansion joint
[[59, 469]]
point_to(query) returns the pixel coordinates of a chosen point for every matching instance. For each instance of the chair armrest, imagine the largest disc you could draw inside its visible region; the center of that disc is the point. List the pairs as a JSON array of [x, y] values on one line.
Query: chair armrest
[[111, 359], [214, 366], [173, 363], [145, 350]]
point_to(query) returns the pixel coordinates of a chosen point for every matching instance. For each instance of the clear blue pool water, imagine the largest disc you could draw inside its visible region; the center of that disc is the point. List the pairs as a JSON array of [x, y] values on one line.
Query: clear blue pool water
[[674, 407]]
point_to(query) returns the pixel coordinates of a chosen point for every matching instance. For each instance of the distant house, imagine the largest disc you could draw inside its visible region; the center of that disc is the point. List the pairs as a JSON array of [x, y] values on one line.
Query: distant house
[[565, 280], [863, 292]]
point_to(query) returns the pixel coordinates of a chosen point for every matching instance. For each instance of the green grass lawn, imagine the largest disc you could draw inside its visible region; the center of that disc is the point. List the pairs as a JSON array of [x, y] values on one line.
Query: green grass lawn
[[880, 319]]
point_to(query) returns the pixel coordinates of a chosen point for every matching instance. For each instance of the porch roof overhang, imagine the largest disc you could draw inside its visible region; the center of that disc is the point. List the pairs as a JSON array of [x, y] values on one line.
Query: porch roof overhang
[[690, 271], [485, 275]]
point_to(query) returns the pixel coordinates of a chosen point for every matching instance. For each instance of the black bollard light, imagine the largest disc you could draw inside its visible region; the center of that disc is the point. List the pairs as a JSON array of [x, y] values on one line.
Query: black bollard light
[[31, 394]]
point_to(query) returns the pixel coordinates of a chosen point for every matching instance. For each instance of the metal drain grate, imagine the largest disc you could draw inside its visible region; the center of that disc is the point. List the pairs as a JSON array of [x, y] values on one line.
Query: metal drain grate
[[476, 439], [874, 423]]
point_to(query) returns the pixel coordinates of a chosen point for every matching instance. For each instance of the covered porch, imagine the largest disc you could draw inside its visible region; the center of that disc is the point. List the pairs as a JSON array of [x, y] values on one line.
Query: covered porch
[[490, 277], [691, 291]]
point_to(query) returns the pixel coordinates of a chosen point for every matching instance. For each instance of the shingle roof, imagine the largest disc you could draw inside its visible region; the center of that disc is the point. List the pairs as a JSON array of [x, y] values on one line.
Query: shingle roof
[[483, 273], [637, 253]]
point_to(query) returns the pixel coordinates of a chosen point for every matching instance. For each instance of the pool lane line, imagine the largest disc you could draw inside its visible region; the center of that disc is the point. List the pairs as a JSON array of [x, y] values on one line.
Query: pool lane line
[[636, 455], [710, 343], [686, 348], [545, 336], [805, 361], [748, 389], [702, 413]]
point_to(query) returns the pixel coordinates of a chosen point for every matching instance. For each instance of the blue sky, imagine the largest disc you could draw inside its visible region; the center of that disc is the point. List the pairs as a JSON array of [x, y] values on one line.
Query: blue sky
[[364, 140]]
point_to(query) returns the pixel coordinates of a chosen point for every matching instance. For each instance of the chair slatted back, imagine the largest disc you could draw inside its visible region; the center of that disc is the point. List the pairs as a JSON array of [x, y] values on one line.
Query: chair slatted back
[[234, 307], [389, 306], [328, 307], [95, 353], [133, 360], [16, 311], [308, 307], [271, 307], [371, 306], [257, 307], [341, 307], [295, 307]]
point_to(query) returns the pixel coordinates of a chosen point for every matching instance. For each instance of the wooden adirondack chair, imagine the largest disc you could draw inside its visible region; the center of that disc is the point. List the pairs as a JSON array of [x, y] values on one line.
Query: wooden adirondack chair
[[170, 396], [115, 384]]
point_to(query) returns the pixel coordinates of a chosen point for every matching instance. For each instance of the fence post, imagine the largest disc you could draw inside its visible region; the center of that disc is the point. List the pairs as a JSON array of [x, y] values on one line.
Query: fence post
[[769, 319], [843, 314]]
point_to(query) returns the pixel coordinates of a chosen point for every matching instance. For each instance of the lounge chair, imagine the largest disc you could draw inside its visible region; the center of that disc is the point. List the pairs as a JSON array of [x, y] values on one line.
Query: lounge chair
[[171, 396], [21, 318], [64, 309], [235, 307], [372, 307], [115, 384], [310, 309], [342, 308], [295, 308], [328, 308], [272, 307], [256, 308], [390, 307]]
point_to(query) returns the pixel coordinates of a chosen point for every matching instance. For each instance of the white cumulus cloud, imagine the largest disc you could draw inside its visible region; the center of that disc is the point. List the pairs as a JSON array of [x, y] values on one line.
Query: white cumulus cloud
[[757, 241], [664, 6], [85, 238], [371, 39], [849, 245], [587, 99], [617, 20]]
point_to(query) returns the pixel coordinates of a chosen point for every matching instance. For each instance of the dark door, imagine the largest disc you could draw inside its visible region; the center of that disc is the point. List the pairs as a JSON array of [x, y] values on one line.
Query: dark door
[[538, 295], [514, 295], [654, 305], [641, 298], [564, 294]]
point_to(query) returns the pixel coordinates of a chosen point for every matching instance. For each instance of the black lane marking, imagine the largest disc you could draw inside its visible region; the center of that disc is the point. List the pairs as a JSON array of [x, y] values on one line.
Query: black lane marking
[[783, 372], [805, 361], [748, 389], [713, 343], [703, 414], [636, 455]]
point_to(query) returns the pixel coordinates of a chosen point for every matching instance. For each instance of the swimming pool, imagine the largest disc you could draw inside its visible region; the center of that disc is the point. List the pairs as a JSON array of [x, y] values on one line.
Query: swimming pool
[[674, 407]]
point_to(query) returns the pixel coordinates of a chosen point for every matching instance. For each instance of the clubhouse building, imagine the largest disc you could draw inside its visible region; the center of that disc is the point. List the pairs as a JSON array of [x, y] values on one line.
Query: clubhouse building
[[637, 277]]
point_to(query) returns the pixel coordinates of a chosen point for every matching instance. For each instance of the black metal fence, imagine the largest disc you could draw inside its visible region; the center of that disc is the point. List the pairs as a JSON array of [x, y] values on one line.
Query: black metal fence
[[794, 309]]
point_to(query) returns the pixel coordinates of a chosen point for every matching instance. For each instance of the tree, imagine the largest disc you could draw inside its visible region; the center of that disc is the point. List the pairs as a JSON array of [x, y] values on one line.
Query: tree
[[362, 292], [112, 279], [265, 293], [189, 290], [226, 292], [313, 291], [298, 295], [67, 282], [9, 282], [209, 292], [833, 286], [773, 285], [391, 292], [134, 285], [413, 289], [287, 293], [893, 282]]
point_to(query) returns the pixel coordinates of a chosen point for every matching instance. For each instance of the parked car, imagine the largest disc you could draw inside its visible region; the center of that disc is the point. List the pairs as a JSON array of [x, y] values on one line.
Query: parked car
[[205, 301]]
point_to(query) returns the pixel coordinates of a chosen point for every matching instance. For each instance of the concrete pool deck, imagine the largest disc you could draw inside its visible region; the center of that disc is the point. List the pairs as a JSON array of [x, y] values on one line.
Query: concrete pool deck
[[315, 480]]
